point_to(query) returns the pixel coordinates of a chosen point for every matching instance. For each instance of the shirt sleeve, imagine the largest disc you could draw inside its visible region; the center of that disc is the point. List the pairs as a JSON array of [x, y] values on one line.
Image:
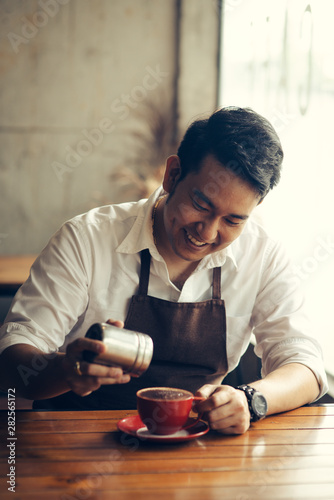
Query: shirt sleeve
[[281, 326], [53, 298]]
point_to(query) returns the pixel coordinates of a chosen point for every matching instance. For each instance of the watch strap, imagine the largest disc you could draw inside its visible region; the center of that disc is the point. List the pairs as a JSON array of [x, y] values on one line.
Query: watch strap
[[249, 392]]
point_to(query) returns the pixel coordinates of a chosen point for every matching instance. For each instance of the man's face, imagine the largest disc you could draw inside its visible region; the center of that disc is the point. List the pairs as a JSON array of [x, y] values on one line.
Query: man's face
[[206, 211]]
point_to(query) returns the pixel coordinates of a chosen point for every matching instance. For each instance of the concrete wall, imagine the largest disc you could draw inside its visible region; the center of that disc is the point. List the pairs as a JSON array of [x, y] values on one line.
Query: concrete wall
[[81, 83], [198, 60]]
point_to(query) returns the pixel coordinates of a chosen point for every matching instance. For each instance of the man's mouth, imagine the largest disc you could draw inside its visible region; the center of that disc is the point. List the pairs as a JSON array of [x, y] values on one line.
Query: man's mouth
[[193, 240]]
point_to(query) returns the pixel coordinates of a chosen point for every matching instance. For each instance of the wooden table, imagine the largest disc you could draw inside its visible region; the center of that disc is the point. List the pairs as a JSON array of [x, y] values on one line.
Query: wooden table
[[82, 456], [14, 270]]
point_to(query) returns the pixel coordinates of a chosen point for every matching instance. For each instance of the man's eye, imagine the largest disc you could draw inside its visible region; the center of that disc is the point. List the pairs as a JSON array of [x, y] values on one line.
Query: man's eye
[[198, 206], [232, 223]]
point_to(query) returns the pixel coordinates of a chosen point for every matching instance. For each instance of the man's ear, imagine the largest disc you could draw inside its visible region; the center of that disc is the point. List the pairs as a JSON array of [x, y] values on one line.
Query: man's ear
[[172, 173]]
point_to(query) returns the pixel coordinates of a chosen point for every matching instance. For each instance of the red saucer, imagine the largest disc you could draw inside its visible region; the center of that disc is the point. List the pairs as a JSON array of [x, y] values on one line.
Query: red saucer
[[134, 427]]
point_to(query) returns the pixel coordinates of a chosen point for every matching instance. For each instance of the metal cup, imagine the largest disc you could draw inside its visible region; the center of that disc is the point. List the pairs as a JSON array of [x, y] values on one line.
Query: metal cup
[[127, 349]]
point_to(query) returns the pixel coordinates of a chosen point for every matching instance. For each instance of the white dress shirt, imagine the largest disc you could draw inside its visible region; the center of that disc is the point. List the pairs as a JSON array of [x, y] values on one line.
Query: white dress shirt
[[89, 271]]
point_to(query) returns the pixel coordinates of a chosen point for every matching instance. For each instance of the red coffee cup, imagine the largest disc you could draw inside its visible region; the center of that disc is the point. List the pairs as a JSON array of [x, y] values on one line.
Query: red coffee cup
[[165, 410]]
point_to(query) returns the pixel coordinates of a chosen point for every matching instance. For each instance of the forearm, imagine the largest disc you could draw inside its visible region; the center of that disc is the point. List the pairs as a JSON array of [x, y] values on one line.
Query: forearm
[[290, 386], [34, 374]]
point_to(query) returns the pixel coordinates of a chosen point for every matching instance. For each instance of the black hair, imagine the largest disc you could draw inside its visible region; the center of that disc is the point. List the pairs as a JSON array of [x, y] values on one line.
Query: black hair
[[241, 140]]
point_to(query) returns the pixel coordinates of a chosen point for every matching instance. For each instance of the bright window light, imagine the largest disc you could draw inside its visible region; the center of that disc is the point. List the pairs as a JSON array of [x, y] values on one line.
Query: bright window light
[[277, 58]]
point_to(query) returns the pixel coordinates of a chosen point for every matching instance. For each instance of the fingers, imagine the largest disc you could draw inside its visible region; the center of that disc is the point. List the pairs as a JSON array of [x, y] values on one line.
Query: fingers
[[115, 322], [101, 375], [233, 420], [75, 349], [226, 409], [214, 395], [105, 374], [206, 390], [83, 377]]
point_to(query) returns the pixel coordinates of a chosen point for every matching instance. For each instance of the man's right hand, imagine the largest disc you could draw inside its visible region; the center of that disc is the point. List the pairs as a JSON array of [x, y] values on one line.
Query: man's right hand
[[82, 377]]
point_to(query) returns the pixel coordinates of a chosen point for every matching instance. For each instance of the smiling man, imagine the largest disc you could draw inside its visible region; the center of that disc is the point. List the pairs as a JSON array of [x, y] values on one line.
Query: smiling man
[[196, 220], [191, 268]]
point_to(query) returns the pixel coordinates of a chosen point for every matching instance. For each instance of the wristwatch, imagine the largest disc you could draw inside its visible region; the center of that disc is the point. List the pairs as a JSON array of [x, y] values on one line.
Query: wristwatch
[[257, 403]]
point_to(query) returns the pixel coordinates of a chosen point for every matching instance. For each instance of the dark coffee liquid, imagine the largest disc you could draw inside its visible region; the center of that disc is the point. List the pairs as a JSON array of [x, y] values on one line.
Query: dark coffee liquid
[[165, 394]]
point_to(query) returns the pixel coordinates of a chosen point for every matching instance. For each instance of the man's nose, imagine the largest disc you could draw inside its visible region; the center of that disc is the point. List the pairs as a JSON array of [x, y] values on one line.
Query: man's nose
[[208, 230]]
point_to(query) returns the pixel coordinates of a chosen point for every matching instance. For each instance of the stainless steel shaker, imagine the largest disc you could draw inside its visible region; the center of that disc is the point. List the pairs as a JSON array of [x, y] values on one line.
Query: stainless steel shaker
[[127, 349]]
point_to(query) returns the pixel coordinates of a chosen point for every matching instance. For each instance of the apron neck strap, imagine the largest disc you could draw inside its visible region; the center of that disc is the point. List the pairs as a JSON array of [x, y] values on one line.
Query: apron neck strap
[[216, 283], [145, 259]]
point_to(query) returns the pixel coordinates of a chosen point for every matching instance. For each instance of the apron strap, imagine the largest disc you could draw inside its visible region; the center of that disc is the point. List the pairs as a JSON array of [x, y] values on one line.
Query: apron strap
[[216, 284], [145, 259]]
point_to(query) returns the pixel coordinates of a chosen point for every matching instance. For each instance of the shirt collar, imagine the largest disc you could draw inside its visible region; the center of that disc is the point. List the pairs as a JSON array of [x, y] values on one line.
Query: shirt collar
[[219, 258], [140, 237]]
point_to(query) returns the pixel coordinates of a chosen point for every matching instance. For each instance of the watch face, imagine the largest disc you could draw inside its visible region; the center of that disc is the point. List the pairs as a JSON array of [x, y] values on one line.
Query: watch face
[[259, 405]]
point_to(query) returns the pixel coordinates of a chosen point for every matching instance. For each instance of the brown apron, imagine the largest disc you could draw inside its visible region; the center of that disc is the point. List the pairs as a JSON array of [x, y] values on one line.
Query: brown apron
[[189, 346]]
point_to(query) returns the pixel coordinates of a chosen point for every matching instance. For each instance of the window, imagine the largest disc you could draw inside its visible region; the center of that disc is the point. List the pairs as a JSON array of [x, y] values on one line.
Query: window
[[277, 57]]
